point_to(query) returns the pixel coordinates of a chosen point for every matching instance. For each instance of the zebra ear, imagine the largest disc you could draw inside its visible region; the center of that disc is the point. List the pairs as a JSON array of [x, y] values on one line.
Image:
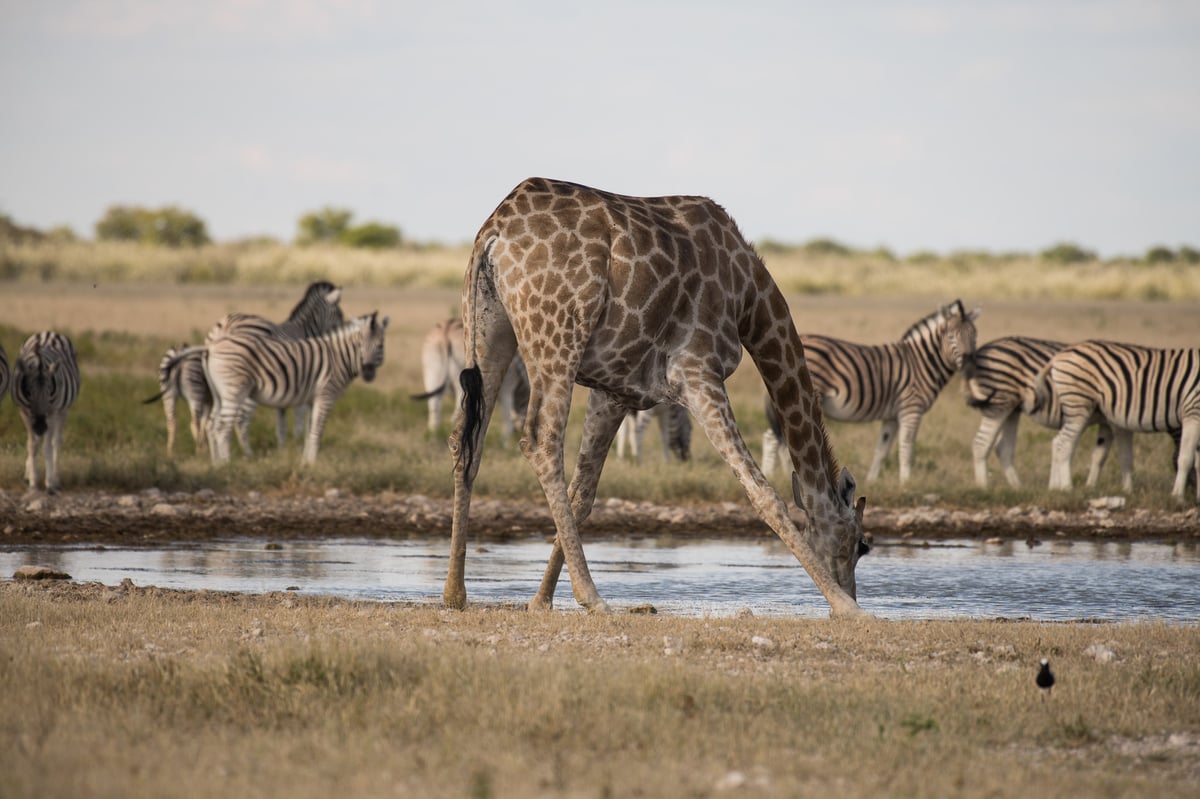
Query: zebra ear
[[973, 315], [334, 296]]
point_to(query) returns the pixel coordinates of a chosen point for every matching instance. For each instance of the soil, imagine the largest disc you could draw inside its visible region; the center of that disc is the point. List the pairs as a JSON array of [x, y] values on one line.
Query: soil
[[152, 517]]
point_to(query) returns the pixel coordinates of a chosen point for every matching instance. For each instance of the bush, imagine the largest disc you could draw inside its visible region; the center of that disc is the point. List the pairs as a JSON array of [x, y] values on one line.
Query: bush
[[826, 247], [375, 235], [1189, 255], [325, 226], [1159, 255], [1067, 253], [169, 226]]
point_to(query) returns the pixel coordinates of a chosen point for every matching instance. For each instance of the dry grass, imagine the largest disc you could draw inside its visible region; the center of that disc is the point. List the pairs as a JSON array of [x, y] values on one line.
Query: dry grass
[[115, 692]]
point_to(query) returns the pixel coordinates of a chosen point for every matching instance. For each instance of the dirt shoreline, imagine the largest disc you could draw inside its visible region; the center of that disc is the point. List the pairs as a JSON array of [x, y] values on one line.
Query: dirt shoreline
[[152, 517]]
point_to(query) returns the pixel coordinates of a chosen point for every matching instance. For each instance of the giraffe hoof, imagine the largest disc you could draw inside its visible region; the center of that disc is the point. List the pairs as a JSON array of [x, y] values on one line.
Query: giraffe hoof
[[541, 604], [598, 607], [455, 601]]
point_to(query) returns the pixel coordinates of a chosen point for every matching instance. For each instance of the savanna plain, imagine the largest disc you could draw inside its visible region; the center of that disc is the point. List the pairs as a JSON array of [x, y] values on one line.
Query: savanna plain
[[126, 690]]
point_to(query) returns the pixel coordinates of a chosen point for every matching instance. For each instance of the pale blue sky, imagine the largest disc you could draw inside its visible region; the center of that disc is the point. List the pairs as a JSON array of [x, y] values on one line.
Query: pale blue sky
[[936, 125]]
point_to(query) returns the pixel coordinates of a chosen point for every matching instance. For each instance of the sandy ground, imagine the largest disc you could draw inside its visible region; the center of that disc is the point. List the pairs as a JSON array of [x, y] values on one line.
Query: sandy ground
[[153, 517]]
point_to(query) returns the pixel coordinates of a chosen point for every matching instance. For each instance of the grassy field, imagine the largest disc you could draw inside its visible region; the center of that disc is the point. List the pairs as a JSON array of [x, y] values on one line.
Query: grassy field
[[376, 439], [142, 692]]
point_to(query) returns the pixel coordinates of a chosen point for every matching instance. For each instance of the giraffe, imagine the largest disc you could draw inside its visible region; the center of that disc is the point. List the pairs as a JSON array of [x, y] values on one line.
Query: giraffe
[[643, 300]]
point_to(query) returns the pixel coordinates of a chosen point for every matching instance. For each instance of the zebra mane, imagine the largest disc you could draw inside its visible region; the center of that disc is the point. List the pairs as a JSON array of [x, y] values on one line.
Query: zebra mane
[[934, 320], [317, 292]]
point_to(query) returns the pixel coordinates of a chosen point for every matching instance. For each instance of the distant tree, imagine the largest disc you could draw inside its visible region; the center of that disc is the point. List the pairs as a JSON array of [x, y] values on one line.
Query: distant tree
[[169, 226], [62, 234], [1159, 255], [12, 233], [1067, 253], [374, 235], [1189, 255], [823, 246], [326, 225]]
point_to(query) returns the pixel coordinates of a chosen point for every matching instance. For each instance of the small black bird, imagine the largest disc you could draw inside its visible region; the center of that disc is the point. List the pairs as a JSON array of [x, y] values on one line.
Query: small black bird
[[1045, 678]]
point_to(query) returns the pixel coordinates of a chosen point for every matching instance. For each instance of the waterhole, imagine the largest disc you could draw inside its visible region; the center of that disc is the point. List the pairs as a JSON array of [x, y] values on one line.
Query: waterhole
[[1058, 580]]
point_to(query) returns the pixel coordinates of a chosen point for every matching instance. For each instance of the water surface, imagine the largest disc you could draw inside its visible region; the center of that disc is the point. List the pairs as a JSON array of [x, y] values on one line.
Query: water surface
[[684, 576]]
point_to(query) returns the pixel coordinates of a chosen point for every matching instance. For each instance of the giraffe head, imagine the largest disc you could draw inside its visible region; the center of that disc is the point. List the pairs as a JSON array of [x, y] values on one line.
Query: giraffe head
[[835, 528]]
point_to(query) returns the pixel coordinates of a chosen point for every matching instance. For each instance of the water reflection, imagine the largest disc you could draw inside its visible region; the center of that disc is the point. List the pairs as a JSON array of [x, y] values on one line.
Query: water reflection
[[1053, 580]]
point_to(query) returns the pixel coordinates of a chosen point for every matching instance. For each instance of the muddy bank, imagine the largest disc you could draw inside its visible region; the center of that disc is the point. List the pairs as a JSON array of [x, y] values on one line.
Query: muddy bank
[[153, 516]]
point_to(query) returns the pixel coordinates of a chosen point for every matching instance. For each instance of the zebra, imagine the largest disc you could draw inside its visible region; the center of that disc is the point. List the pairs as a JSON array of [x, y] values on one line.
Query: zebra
[[45, 383], [895, 383], [1135, 389], [184, 378], [318, 312], [442, 361], [284, 373], [674, 425], [998, 382]]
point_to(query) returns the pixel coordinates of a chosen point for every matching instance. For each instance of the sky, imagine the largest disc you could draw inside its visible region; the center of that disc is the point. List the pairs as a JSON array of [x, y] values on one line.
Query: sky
[[941, 125]]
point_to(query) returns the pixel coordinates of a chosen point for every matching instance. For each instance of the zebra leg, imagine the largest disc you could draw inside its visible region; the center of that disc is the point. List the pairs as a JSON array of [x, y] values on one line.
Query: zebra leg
[[53, 444], [625, 436], [774, 454], [168, 399], [1007, 446], [604, 416], [316, 427], [887, 434], [302, 414], [281, 427], [1061, 451], [909, 424], [1104, 445], [33, 445], [981, 446], [1124, 441], [1188, 458], [244, 413]]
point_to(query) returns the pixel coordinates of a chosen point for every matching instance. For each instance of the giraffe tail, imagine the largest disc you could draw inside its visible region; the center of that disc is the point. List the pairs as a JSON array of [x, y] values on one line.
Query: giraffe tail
[[471, 378]]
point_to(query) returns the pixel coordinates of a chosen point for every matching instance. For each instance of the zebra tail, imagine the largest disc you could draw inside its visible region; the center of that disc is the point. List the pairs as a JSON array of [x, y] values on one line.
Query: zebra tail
[[155, 398], [439, 390], [183, 354], [1035, 397]]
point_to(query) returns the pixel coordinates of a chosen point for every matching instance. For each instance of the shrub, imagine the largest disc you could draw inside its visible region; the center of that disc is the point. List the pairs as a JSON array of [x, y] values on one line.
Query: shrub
[[1067, 253], [372, 234], [327, 225], [170, 226], [1159, 255]]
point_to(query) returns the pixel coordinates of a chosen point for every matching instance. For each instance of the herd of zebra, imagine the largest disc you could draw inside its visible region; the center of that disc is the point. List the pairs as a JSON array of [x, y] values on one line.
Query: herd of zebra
[[1120, 388], [307, 361], [304, 363]]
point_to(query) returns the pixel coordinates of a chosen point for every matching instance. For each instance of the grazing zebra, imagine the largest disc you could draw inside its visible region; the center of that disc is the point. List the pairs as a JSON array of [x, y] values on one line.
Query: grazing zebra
[[999, 382], [284, 373], [45, 383], [674, 425], [895, 383], [442, 360], [1136, 389], [184, 378], [318, 312]]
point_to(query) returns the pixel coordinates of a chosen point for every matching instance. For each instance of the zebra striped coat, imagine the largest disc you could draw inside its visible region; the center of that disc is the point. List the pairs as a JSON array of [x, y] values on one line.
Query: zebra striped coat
[[999, 383], [674, 426], [1135, 388], [895, 383], [184, 379], [284, 373], [45, 384]]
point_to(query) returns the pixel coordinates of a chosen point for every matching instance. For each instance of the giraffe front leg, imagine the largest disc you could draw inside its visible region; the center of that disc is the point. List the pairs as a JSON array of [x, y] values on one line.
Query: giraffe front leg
[[887, 434], [604, 417]]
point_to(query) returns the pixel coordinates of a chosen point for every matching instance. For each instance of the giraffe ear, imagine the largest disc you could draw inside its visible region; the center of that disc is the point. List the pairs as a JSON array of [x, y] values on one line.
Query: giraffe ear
[[846, 486]]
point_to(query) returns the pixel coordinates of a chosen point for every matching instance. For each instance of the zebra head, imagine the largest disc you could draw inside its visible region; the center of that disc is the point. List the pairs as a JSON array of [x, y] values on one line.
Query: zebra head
[[38, 387], [319, 310], [370, 345], [958, 334]]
